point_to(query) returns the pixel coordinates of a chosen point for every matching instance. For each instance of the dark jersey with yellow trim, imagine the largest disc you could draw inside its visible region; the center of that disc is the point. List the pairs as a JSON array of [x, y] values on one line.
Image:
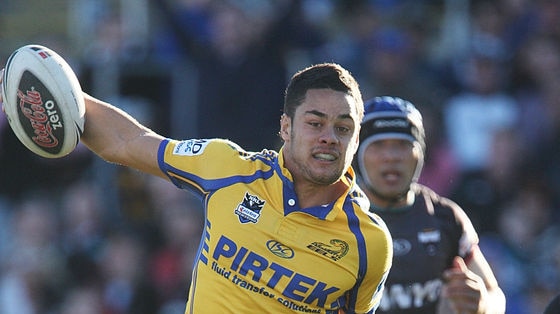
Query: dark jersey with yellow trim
[[426, 238], [262, 253]]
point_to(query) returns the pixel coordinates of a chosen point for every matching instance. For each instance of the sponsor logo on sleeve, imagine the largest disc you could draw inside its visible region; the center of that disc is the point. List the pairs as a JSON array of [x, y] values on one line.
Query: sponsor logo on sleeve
[[190, 147]]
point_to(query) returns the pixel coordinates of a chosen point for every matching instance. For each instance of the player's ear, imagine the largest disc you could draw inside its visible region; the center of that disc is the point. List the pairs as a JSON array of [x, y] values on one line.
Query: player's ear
[[285, 123]]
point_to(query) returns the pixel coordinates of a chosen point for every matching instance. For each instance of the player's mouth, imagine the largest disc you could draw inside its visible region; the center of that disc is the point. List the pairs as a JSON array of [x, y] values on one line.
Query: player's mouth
[[324, 156], [391, 176]]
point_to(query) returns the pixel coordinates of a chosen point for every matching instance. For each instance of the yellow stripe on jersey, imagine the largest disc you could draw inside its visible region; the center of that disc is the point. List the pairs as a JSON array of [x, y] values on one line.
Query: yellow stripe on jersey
[[262, 253]]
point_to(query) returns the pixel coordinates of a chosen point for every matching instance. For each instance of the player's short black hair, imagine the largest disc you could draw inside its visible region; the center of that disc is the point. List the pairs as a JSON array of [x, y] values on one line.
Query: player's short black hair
[[323, 75]]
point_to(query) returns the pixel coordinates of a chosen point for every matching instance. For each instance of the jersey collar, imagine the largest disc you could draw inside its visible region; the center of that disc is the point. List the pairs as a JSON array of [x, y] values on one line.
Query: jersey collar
[[325, 212]]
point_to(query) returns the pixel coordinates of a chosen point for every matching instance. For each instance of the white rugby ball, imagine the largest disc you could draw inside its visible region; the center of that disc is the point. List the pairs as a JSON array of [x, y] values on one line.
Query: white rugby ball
[[43, 101]]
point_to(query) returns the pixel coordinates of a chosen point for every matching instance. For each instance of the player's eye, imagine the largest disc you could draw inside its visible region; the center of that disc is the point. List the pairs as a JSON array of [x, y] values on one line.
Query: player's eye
[[342, 129]]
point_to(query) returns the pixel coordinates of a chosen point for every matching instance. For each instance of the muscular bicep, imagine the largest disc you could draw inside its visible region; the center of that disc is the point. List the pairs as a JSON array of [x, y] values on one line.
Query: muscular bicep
[[119, 138]]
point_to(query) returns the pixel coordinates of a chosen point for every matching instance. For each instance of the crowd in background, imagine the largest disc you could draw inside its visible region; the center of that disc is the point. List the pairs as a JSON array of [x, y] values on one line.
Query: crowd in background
[[80, 236]]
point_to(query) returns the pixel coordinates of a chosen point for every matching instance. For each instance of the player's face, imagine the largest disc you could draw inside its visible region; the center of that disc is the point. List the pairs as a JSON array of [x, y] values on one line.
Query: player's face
[[390, 166], [321, 139]]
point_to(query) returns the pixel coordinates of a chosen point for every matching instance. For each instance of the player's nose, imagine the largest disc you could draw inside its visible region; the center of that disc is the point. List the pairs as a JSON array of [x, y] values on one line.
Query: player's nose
[[329, 136]]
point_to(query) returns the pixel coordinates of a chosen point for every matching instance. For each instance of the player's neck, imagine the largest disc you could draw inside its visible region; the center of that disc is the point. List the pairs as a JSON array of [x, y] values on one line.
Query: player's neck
[[380, 202], [311, 195]]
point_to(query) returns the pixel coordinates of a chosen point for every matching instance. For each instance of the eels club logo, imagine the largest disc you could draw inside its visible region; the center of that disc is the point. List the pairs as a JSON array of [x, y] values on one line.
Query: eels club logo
[[335, 250]]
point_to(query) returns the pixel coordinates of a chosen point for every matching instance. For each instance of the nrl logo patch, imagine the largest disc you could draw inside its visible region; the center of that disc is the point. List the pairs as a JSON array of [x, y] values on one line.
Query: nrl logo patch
[[250, 209], [336, 250]]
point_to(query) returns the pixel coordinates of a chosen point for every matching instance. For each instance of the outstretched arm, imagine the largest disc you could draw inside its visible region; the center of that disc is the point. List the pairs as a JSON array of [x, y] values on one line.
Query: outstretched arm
[[472, 288], [119, 138]]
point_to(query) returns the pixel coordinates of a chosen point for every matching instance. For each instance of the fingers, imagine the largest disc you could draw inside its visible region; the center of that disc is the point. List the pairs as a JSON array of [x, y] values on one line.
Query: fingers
[[463, 300], [459, 263], [458, 270], [464, 289], [460, 282]]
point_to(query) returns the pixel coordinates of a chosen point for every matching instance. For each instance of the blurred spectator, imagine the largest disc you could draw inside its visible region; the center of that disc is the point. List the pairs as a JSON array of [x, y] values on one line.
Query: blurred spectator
[[240, 56], [82, 300], [546, 265], [547, 17], [5, 228], [441, 170], [479, 116], [134, 199], [484, 192], [180, 219], [520, 21], [545, 155], [537, 74], [126, 287], [83, 231], [33, 267], [522, 228], [480, 109], [392, 69]]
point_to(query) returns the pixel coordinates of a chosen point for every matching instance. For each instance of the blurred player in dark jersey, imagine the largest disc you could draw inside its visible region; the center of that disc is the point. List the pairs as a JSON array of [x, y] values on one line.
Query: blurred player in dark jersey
[[436, 253]]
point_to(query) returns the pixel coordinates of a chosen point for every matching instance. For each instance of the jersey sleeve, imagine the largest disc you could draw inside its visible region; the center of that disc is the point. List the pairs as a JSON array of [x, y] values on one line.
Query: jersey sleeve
[[379, 261], [458, 222], [380, 265], [469, 237], [205, 165]]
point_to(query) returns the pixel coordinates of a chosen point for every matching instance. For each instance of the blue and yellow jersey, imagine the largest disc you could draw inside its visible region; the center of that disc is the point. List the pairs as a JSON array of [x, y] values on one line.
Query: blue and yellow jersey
[[260, 252]]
